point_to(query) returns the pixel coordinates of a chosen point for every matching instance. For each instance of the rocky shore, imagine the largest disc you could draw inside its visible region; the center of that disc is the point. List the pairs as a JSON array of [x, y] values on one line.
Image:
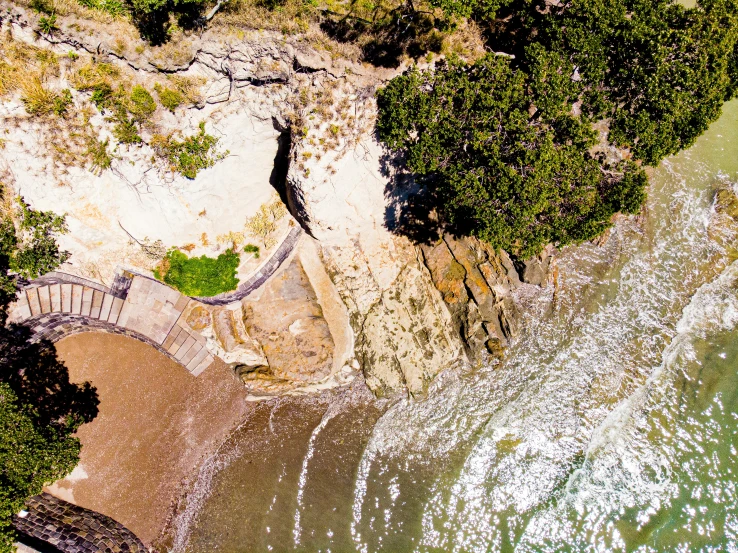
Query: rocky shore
[[363, 292]]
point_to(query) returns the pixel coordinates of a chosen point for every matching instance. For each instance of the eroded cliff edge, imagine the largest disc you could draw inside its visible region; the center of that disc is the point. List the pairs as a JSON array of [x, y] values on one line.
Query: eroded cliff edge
[[409, 307]]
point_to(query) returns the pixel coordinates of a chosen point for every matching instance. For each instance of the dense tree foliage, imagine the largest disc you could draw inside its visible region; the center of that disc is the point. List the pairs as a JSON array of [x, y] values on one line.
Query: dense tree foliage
[[40, 409], [32, 246], [508, 143]]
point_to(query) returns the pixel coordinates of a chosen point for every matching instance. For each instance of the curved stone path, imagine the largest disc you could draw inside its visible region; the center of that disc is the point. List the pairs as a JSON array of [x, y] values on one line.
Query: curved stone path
[[49, 521], [59, 305]]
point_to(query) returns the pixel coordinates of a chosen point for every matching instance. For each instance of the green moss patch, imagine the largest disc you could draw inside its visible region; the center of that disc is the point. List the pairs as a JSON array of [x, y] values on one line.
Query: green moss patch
[[199, 276]]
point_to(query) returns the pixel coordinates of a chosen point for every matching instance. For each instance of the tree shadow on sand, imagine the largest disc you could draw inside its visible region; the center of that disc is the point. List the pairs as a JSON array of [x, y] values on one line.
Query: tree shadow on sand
[[41, 381]]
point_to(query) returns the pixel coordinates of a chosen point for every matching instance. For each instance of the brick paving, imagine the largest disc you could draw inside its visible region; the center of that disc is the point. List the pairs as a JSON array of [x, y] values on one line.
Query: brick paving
[[59, 305], [72, 529], [135, 306]]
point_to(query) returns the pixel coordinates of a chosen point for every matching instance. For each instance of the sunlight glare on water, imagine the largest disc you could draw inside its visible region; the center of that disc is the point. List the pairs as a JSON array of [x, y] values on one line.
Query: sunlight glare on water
[[609, 426]]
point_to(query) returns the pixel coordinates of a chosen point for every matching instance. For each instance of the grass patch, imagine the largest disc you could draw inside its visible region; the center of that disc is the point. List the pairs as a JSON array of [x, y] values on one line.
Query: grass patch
[[142, 104], [250, 248], [199, 276], [170, 99]]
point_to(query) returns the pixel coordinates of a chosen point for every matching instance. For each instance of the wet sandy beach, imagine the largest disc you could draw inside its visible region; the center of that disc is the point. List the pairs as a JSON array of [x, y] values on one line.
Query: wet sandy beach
[[156, 424]]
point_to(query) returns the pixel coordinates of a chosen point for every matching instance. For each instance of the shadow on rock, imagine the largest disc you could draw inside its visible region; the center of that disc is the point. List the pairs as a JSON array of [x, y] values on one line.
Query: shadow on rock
[[403, 31], [411, 205], [156, 26]]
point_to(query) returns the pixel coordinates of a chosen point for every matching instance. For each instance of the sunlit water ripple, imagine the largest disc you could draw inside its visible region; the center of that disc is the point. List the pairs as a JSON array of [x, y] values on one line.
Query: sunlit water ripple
[[610, 425]]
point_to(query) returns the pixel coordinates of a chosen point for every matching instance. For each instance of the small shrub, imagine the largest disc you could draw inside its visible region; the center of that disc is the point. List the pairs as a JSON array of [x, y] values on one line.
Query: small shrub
[[153, 250], [72, 55], [100, 158], [264, 222], [235, 239], [142, 104], [170, 99], [200, 276], [102, 96], [125, 130], [189, 156], [250, 248], [47, 25], [62, 102]]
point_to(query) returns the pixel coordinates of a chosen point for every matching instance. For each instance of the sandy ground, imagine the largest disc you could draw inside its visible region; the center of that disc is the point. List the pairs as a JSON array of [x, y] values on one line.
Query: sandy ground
[[156, 424]]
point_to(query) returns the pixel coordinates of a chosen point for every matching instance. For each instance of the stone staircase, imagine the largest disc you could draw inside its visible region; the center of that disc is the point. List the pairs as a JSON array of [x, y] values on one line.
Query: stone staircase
[[60, 305]]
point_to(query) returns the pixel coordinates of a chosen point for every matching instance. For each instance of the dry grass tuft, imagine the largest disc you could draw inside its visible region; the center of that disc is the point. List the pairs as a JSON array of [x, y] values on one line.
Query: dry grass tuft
[[38, 99], [94, 75], [292, 17], [189, 87]]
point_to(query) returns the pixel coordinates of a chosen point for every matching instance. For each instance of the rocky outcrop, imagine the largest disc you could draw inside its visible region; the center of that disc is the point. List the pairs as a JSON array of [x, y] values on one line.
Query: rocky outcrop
[[287, 320], [477, 285], [403, 331], [414, 308]]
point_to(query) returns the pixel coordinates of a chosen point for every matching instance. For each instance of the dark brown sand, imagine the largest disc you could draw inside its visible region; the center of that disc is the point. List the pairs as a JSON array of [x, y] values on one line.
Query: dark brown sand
[[156, 424]]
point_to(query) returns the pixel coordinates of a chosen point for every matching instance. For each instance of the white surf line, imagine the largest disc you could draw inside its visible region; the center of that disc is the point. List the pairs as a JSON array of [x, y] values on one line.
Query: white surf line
[[327, 416]]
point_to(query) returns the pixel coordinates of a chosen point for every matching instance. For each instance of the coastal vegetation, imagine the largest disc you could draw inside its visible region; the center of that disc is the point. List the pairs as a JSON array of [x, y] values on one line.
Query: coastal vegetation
[[190, 155], [40, 409], [263, 223], [546, 142], [199, 276]]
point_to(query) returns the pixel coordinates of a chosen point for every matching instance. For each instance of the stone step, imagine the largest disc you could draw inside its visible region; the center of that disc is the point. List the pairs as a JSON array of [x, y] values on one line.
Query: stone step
[[204, 364], [188, 347]]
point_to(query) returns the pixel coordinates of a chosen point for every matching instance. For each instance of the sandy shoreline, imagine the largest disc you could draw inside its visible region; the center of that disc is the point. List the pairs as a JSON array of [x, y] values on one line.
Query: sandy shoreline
[[156, 424]]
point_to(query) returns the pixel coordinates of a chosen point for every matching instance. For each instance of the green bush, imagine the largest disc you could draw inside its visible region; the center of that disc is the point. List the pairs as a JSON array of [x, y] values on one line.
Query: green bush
[[506, 145], [199, 276], [125, 131], [191, 154], [40, 409], [142, 105], [250, 248], [170, 99], [100, 158], [35, 251], [62, 102], [47, 25], [102, 96], [116, 8]]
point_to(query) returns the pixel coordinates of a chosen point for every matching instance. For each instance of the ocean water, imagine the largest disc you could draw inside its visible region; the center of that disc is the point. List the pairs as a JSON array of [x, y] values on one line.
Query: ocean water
[[609, 426]]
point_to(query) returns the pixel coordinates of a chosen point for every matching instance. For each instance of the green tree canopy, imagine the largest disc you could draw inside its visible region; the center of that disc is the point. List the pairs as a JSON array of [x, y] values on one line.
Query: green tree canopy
[[508, 143], [40, 409]]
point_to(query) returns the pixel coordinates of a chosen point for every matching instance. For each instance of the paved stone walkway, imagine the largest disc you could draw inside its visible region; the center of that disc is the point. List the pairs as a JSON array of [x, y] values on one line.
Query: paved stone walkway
[[59, 305], [148, 311], [49, 521]]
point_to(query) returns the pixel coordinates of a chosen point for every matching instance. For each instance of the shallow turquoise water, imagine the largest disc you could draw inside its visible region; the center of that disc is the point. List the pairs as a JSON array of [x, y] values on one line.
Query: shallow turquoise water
[[610, 426]]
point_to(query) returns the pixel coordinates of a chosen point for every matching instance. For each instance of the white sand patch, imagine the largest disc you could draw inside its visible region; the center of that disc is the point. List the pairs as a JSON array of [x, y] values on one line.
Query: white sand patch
[[141, 198]]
